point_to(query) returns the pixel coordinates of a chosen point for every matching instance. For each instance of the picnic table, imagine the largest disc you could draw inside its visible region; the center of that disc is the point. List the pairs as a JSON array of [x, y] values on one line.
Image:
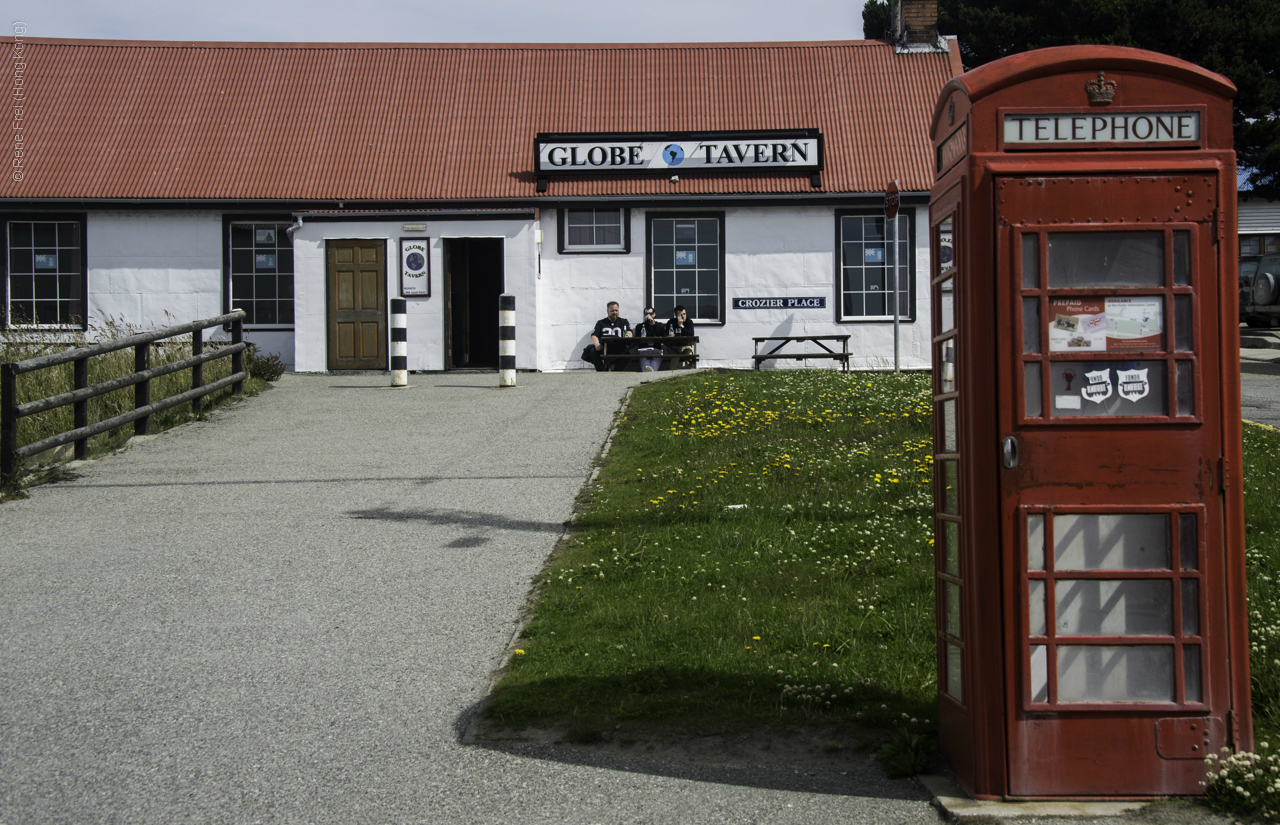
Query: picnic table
[[624, 348], [841, 355]]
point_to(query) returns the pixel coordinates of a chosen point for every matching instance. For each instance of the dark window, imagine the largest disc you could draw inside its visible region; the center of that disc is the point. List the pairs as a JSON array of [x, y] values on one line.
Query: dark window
[[868, 257], [686, 265], [46, 273], [262, 272], [594, 230]]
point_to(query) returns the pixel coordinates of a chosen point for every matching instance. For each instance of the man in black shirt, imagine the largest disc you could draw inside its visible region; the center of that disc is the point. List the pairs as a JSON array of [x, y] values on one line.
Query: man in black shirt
[[680, 325], [649, 350], [606, 339]]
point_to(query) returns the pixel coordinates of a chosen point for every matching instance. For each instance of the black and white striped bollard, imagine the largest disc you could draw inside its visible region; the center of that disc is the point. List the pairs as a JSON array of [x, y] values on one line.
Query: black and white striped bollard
[[506, 340], [399, 343]]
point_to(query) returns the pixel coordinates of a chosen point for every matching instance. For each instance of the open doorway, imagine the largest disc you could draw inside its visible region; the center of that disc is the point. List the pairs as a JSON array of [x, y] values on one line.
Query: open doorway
[[473, 281]]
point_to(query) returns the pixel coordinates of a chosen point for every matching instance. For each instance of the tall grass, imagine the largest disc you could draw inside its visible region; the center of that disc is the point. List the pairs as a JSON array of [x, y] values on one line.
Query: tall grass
[[21, 344]]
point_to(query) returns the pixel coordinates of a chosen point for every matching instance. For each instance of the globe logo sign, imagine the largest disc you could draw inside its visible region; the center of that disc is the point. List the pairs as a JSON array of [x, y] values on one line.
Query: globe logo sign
[[415, 261], [672, 154]]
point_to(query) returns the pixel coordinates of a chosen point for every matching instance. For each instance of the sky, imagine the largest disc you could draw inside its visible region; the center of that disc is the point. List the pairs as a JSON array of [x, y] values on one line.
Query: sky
[[441, 21]]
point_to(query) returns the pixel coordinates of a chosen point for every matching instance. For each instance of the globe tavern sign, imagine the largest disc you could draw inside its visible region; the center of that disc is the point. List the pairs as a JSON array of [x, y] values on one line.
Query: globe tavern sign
[[673, 152]]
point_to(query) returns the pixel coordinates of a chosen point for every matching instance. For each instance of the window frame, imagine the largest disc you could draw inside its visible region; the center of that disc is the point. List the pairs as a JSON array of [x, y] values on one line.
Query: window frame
[[562, 233], [649, 298], [1177, 639], [227, 221], [45, 217], [908, 317]]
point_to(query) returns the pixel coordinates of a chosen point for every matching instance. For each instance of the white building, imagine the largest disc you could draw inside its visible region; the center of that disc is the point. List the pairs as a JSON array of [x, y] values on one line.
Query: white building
[[158, 183]]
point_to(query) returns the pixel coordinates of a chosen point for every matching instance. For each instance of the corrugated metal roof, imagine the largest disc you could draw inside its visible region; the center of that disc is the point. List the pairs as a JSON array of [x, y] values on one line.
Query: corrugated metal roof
[[387, 122]]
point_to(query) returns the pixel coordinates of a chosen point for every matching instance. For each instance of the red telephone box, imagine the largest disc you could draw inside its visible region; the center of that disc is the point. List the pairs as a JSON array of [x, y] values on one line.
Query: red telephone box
[[1089, 516]]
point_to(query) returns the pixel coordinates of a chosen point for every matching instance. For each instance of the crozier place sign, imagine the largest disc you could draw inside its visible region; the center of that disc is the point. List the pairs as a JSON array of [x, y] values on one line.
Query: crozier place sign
[[1022, 129], [779, 303], [673, 152]]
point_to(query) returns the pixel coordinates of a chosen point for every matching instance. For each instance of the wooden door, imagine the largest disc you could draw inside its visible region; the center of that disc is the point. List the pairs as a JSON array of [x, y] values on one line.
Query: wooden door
[[357, 305], [1112, 506]]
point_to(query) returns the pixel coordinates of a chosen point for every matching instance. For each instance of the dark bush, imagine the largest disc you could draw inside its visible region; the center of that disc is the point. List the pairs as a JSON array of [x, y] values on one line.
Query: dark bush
[[266, 367]]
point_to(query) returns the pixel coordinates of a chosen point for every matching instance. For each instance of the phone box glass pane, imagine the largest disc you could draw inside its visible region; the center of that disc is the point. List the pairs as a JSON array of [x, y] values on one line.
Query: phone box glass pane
[[951, 595], [1037, 625], [948, 409], [1190, 607], [1188, 541], [1039, 673], [1035, 541], [1115, 673], [1186, 388], [1032, 402], [951, 535], [1091, 607], [1030, 261], [955, 673], [1095, 388], [1182, 258], [949, 493], [1111, 541], [946, 306], [1084, 259], [1031, 325], [1191, 673]]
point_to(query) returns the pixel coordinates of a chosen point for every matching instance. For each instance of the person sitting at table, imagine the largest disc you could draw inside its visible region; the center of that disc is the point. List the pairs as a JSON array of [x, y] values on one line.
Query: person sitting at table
[[680, 325], [649, 351], [611, 327]]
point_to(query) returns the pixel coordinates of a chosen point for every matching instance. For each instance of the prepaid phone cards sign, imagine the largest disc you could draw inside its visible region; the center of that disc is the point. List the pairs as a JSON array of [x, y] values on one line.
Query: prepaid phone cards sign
[[1106, 324]]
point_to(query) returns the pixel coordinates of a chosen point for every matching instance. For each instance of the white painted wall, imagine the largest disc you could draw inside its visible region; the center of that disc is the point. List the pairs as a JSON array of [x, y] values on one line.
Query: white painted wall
[[769, 252], [426, 315], [154, 269], [144, 264]]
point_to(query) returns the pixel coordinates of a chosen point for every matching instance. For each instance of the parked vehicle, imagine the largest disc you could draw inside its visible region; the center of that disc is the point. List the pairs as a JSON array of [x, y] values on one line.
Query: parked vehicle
[[1263, 308], [1248, 266]]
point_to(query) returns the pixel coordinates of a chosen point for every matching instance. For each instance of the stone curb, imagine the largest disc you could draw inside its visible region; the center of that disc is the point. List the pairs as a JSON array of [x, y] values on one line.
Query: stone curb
[[1258, 343], [956, 806]]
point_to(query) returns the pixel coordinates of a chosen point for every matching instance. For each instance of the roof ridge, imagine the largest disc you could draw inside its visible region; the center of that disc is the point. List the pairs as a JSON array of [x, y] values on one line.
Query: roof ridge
[[325, 45]]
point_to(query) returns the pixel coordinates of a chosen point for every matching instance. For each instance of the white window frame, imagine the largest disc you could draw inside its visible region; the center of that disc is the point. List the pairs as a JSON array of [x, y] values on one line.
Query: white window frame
[[624, 243], [906, 264]]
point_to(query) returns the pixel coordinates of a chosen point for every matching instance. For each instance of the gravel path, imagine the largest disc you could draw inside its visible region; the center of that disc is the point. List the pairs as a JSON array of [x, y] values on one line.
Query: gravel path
[[286, 614]]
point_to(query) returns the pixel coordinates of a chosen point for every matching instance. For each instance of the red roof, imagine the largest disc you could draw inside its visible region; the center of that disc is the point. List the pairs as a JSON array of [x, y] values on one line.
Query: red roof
[[387, 122]]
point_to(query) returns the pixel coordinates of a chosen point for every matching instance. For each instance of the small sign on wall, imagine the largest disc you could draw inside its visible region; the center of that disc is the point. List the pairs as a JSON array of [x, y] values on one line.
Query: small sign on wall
[[780, 303], [415, 267]]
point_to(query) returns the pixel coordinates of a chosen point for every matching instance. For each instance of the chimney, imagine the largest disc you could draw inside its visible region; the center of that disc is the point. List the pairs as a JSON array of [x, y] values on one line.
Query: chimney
[[915, 23]]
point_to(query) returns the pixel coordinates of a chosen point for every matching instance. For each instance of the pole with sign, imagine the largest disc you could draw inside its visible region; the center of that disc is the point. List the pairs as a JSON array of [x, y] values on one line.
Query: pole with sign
[[891, 199]]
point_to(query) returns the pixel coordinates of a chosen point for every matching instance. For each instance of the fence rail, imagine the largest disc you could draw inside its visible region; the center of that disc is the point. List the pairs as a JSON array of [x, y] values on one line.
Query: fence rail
[[140, 379]]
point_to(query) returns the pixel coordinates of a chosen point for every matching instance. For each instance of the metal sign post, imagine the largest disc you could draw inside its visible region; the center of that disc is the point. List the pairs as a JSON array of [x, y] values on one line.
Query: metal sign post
[[891, 199]]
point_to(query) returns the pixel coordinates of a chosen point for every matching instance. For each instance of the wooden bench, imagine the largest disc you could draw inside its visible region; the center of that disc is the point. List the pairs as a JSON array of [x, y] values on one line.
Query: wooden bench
[[661, 342], [827, 352]]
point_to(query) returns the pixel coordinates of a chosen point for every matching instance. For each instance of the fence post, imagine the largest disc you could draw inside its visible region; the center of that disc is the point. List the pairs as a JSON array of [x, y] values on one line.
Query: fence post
[[506, 340], [399, 343], [80, 411], [197, 372], [142, 389], [8, 422], [237, 359]]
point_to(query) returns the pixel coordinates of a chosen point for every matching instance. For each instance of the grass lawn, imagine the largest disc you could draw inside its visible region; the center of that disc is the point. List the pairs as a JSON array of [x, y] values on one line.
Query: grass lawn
[[758, 549], [1262, 552]]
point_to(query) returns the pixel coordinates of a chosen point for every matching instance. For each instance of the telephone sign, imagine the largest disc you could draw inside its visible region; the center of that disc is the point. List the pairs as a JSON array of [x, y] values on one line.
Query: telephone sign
[[1092, 635]]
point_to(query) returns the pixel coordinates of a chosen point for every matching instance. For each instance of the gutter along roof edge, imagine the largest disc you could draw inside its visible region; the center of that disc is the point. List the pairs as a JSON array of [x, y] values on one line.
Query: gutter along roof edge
[[461, 205]]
